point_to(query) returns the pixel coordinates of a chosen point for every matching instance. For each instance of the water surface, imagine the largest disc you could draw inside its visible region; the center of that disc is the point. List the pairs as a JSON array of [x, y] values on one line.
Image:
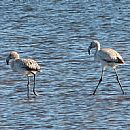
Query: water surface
[[57, 33]]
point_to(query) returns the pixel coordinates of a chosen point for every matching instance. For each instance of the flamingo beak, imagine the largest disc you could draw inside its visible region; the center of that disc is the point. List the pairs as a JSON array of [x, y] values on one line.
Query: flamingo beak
[[89, 50], [7, 60]]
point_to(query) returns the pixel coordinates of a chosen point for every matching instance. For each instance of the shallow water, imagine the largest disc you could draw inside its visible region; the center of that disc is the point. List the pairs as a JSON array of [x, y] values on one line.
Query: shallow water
[[57, 33]]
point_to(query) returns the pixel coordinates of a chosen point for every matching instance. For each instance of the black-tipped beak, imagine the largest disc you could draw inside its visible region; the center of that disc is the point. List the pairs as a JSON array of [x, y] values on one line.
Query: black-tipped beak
[[89, 50], [7, 61]]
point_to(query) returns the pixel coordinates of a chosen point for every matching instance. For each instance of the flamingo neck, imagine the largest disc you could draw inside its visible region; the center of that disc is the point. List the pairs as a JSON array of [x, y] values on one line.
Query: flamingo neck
[[98, 46], [97, 49], [18, 57]]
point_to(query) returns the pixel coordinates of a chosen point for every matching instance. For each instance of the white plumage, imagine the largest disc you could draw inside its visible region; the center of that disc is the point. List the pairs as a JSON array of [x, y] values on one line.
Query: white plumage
[[28, 67], [107, 57]]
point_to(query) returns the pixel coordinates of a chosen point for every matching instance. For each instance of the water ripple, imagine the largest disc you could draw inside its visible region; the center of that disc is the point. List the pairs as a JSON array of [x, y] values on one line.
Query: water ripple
[[57, 34]]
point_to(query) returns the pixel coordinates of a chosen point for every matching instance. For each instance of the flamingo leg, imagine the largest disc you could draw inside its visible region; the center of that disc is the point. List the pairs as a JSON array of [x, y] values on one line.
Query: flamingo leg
[[34, 91], [28, 85], [99, 81], [117, 78]]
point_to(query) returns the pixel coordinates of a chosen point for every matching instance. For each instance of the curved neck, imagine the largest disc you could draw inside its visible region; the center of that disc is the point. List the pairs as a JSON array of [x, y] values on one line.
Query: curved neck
[[98, 46], [16, 57], [97, 49]]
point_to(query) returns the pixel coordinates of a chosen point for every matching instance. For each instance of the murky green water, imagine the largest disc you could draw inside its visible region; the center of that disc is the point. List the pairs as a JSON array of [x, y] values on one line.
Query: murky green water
[[57, 33]]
